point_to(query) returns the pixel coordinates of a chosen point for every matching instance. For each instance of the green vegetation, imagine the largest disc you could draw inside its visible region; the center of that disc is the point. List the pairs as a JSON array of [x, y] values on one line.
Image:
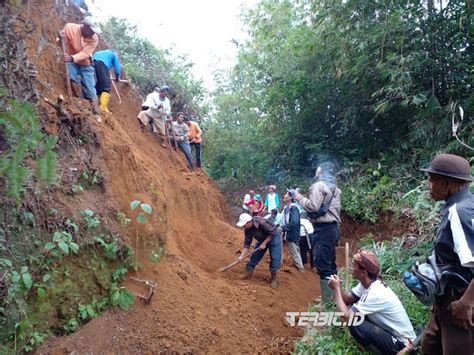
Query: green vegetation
[[356, 82], [148, 66], [62, 283], [29, 153]]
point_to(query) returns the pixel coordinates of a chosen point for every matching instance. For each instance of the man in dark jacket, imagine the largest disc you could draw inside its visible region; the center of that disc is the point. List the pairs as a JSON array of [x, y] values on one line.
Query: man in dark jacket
[[290, 223], [451, 326], [267, 237]]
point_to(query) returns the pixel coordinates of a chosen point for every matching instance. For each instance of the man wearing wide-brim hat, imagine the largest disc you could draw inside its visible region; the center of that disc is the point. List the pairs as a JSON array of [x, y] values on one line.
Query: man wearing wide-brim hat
[[451, 326]]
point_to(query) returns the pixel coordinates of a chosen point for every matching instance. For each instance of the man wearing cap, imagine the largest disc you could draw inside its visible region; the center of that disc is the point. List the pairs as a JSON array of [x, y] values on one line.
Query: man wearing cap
[[272, 200], [81, 41], [323, 207], [156, 110], [267, 237], [290, 224], [451, 326], [103, 62], [386, 328]]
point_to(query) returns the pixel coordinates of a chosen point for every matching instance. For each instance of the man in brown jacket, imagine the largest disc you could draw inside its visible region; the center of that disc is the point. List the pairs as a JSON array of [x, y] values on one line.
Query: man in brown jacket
[[323, 207]]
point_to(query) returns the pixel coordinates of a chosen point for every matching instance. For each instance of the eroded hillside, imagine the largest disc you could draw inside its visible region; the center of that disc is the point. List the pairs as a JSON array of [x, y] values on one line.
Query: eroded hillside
[[195, 308]]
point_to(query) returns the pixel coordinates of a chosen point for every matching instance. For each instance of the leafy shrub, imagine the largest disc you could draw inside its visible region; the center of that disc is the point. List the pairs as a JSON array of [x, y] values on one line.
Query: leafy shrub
[[25, 142]]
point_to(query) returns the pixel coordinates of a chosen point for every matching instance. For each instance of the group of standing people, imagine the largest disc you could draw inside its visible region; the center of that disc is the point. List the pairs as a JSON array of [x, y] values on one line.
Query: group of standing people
[[386, 328], [184, 132], [304, 224]]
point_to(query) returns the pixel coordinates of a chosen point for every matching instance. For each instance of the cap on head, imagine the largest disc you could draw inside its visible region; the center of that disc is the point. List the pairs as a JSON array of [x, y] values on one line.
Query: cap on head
[[450, 165], [251, 192], [258, 197], [272, 187], [93, 23], [292, 192], [244, 218]]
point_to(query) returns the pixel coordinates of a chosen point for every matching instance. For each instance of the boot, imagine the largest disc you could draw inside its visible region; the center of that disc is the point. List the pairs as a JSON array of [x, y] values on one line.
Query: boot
[[104, 99], [274, 282], [247, 275], [326, 293]]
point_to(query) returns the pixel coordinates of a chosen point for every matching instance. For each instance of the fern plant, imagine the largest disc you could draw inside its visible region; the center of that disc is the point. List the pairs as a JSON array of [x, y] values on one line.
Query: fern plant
[[26, 146]]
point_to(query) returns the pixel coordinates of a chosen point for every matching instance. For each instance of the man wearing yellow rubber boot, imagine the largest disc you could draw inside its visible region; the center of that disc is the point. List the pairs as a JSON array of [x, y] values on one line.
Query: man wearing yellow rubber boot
[[103, 62]]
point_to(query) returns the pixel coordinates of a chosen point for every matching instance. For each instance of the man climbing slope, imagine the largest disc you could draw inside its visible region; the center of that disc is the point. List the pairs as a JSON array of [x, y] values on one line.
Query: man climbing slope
[[158, 109], [180, 132], [81, 41], [103, 62]]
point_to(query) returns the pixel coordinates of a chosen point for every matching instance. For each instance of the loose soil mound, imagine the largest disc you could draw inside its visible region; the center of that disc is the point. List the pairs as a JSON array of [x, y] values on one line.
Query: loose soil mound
[[195, 308]]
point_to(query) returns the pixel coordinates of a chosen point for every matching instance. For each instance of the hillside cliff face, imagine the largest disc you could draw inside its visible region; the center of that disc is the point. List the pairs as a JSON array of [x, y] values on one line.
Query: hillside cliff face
[[195, 308]]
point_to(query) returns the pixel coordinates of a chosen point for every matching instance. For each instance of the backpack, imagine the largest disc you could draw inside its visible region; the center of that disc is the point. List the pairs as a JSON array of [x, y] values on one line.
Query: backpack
[[432, 280], [323, 209]]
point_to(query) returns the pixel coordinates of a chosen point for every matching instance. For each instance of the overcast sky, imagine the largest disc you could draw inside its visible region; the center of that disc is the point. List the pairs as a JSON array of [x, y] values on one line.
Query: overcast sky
[[201, 29]]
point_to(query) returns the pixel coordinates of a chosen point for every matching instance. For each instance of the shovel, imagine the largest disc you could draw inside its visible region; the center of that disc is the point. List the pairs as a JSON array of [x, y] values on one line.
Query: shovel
[[238, 261]]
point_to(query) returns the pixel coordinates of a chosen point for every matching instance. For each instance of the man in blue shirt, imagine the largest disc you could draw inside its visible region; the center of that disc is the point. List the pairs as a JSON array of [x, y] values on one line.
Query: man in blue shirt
[[103, 62]]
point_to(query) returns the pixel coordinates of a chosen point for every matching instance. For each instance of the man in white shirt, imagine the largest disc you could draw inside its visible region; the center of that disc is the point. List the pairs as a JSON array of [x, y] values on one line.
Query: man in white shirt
[[156, 110], [386, 327], [306, 241]]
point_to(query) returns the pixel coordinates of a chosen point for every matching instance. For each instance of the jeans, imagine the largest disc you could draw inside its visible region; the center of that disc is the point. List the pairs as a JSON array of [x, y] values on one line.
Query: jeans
[[198, 153], [86, 75], [275, 254], [326, 236], [186, 148]]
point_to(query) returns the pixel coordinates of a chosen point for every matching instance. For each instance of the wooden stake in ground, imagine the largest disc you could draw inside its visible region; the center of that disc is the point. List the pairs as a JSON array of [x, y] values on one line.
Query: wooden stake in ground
[[116, 91], [347, 266], [68, 82]]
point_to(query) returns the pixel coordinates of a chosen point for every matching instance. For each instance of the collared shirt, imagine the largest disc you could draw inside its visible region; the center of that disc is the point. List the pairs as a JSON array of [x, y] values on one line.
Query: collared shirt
[[79, 47], [110, 60], [194, 132], [454, 244], [181, 131], [260, 230]]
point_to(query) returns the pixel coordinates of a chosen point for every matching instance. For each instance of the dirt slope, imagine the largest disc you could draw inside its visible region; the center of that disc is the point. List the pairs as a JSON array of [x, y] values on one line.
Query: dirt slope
[[195, 308]]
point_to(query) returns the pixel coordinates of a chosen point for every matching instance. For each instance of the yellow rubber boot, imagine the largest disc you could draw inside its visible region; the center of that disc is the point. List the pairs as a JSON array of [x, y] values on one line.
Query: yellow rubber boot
[[104, 99]]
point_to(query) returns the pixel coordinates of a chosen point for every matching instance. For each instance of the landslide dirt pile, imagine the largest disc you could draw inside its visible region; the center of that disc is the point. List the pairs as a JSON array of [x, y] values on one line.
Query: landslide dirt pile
[[195, 308]]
